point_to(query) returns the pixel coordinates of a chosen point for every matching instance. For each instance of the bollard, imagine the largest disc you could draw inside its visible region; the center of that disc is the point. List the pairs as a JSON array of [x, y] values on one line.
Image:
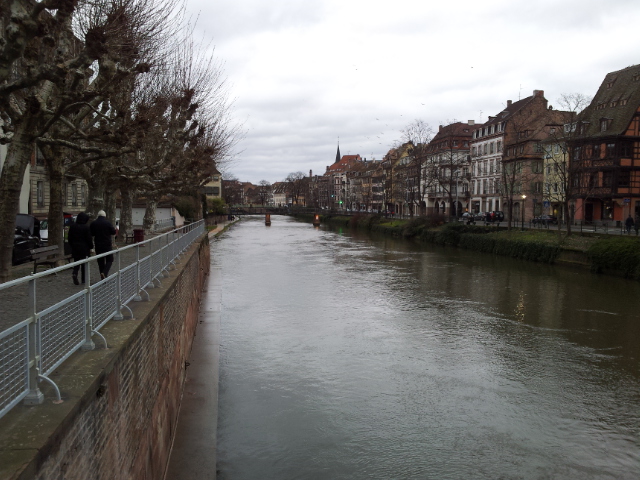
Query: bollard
[[267, 219], [316, 220]]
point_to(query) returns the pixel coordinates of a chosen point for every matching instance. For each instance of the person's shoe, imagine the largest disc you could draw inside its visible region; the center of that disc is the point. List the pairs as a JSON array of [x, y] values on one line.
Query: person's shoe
[[75, 279], [102, 276]]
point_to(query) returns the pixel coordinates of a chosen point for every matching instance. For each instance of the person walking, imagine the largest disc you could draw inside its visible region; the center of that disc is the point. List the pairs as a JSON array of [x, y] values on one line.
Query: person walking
[[629, 223], [81, 243], [102, 231]]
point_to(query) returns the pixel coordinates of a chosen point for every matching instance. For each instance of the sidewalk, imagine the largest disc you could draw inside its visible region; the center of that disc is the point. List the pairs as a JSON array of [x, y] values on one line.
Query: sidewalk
[[54, 288]]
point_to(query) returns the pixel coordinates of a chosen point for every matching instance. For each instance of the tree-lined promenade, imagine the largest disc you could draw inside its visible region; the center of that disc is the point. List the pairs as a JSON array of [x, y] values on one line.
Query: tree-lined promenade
[[113, 91]]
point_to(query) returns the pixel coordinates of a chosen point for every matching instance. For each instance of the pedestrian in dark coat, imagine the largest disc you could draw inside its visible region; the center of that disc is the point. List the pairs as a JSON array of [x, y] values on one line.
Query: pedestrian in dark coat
[[102, 231], [81, 243], [629, 223]]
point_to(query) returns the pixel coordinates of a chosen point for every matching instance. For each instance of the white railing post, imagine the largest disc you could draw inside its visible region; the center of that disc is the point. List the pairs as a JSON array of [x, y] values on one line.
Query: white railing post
[[88, 324], [35, 396]]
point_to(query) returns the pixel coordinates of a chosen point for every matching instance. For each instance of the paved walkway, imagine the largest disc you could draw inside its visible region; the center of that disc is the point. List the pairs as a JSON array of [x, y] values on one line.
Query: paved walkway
[[51, 289]]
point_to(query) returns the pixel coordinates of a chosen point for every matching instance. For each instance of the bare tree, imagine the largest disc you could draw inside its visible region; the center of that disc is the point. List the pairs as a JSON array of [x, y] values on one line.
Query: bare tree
[[296, 183], [264, 192], [566, 180], [58, 59], [418, 133]]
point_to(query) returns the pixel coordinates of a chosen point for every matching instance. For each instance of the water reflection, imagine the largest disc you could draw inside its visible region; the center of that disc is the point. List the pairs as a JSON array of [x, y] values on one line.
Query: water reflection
[[346, 356]]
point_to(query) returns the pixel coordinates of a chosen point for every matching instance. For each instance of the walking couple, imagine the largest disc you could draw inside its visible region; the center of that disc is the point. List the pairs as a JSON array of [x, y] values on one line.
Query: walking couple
[[81, 239]]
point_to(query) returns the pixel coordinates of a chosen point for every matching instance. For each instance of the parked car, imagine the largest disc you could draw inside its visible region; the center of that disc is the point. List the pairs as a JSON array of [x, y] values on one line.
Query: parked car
[[480, 216], [498, 216], [26, 237], [545, 219], [468, 217]]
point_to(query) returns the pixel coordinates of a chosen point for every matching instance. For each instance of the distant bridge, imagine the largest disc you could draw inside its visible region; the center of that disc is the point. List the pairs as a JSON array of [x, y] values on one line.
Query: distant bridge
[[263, 210]]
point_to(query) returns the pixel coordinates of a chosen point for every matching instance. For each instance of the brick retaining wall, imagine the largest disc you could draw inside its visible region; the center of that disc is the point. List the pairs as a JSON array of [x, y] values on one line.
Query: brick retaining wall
[[121, 404]]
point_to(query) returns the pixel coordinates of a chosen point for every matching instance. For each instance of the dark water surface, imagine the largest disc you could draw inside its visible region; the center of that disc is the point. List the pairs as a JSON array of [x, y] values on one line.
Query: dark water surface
[[347, 357]]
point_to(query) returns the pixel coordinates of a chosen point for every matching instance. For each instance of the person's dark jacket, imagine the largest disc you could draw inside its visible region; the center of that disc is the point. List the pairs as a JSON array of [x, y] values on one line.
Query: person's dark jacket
[[102, 230], [79, 237]]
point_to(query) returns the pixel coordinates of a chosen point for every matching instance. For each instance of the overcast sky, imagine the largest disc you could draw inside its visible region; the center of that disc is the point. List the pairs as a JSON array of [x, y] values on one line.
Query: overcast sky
[[304, 72]]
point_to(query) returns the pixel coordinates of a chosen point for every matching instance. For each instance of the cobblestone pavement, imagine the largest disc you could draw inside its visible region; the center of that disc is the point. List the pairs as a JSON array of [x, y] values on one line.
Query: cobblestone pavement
[[51, 289]]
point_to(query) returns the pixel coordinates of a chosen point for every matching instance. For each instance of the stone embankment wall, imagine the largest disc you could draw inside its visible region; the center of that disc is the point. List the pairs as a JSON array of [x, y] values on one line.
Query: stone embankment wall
[[122, 420]]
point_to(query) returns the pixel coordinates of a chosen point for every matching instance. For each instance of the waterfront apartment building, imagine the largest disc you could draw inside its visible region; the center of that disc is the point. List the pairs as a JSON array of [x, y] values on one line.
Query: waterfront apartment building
[[606, 150]]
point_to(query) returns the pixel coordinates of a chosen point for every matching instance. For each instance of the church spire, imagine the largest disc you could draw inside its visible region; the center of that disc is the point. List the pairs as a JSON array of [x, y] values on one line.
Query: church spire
[[338, 157]]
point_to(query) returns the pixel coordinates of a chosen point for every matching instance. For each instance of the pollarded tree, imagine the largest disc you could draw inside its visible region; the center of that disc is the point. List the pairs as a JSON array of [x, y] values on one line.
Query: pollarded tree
[[56, 59]]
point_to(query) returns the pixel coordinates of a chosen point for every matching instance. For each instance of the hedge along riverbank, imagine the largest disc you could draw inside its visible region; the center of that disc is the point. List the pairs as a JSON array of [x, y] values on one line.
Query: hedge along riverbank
[[610, 255]]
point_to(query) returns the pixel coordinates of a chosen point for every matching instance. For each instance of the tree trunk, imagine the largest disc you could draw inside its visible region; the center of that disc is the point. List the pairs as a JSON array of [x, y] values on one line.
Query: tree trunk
[[126, 213], [96, 195], [110, 205], [150, 215], [15, 165], [55, 167]]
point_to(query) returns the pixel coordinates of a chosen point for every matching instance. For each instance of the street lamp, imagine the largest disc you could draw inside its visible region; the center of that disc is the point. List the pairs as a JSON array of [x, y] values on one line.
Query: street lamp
[[522, 226]]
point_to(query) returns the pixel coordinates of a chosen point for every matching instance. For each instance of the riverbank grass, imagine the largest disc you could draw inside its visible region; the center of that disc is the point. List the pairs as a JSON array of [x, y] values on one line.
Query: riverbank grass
[[618, 255]]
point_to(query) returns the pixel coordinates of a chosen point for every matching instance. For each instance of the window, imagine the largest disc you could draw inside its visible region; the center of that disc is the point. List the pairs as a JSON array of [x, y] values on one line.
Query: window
[[607, 178], [83, 194], [611, 149], [40, 193], [455, 143], [537, 167], [625, 150], [491, 148], [498, 146], [624, 178], [604, 124], [548, 169], [595, 151], [465, 144], [537, 187], [74, 194], [485, 148], [538, 148]]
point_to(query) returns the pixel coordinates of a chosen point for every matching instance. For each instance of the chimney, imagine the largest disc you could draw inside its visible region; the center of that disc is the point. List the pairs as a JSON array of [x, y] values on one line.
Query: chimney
[[439, 128], [538, 93], [471, 122], [508, 103], [310, 173], [327, 168]]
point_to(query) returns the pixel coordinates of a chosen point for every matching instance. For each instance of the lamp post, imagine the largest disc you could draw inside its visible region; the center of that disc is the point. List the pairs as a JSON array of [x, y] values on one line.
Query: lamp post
[[522, 226]]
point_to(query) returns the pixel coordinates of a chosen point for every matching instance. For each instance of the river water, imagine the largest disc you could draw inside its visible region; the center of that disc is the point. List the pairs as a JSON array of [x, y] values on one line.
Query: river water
[[345, 356]]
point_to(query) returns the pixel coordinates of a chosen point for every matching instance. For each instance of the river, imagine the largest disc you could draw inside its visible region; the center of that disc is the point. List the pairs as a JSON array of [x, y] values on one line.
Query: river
[[346, 356]]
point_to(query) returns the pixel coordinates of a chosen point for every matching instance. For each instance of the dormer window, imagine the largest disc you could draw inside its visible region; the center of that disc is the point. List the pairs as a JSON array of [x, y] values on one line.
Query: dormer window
[[604, 124]]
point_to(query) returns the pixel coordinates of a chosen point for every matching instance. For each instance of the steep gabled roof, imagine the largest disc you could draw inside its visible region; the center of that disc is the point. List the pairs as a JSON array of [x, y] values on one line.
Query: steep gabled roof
[[344, 164], [617, 100]]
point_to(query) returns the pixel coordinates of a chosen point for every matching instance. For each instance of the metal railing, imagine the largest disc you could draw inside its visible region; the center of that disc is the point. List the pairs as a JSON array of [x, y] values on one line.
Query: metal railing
[[46, 336]]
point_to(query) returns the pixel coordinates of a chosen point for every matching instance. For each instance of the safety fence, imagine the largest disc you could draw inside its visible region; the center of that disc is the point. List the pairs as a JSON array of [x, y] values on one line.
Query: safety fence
[[46, 335]]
